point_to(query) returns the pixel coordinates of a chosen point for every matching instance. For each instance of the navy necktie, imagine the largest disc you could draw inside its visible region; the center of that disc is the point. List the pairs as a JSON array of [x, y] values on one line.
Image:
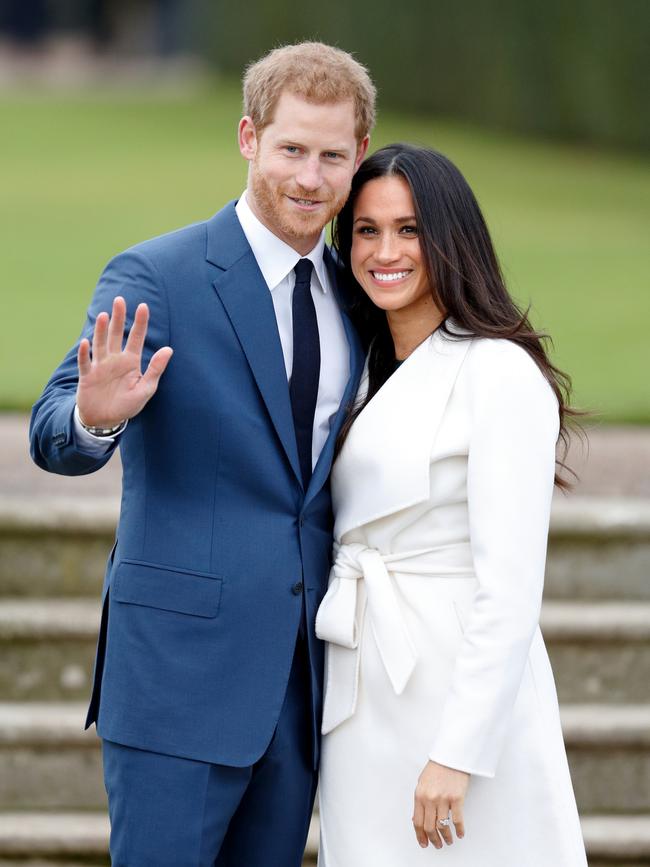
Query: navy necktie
[[305, 373]]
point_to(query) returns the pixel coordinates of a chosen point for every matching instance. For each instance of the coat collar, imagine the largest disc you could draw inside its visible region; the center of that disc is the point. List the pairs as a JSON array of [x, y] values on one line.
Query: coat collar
[[384, 464]]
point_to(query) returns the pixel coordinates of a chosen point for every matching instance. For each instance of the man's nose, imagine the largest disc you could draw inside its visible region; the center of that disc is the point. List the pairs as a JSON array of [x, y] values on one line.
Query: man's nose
[[310, 176]]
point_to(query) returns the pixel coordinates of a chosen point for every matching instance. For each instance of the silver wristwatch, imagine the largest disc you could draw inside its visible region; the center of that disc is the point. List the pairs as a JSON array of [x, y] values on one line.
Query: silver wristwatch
[[103, 431]]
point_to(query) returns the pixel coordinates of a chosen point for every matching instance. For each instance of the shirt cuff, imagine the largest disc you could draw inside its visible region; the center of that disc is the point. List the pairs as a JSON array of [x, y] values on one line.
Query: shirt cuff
[[91, 443]]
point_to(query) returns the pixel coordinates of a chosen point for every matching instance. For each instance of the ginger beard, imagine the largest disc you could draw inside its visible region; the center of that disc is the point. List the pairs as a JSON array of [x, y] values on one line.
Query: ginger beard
[[278, 212]]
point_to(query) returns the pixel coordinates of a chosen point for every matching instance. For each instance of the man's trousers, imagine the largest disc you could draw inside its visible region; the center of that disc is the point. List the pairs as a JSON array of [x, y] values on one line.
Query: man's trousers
[[167, 811]]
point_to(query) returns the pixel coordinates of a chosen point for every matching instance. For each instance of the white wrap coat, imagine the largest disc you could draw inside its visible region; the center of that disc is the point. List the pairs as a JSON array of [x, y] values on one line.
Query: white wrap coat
[[442, 495]]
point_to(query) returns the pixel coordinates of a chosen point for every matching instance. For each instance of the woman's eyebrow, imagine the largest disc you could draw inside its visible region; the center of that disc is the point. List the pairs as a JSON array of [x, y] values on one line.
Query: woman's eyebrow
[[409, 219]]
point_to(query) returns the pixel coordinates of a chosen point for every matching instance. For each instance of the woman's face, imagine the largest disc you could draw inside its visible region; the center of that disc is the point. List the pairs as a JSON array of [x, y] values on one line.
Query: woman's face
[[386, 256]]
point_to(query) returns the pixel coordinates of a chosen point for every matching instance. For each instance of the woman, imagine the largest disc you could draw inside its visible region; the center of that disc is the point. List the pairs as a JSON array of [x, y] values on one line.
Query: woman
[[440, 707]]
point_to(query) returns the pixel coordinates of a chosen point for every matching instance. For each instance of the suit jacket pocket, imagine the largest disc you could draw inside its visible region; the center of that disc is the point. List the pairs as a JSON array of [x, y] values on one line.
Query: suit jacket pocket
[[166, 587]]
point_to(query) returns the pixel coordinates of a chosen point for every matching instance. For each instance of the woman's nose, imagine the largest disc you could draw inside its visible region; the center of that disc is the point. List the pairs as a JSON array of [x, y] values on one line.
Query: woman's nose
[[388, 250]]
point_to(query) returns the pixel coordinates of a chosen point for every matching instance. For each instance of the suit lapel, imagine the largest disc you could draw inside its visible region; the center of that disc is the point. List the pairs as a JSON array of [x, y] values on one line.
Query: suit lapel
[[384, 464], [248, 304]]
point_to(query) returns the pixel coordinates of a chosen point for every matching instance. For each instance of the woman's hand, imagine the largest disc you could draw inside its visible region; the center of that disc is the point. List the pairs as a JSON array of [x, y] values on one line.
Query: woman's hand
[[439, 792]]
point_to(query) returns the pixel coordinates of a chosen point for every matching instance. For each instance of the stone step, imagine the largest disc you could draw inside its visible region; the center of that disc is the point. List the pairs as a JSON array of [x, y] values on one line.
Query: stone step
[[19, 861], [599, 548], [48, 762], [609, 754], [53, 838], [55, 835], [56, 546], [47, 648], [617, 840], [600, 650]]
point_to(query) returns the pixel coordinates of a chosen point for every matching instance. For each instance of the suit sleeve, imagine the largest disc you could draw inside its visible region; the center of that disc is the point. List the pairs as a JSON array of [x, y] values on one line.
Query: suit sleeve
[[511, 465], [54, 445]]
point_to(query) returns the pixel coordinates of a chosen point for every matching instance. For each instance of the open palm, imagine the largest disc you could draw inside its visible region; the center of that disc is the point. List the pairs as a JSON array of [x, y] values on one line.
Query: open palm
[[112, 387]]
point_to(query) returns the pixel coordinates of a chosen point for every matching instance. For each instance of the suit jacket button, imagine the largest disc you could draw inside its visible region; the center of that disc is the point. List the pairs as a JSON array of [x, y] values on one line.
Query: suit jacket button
[[297, 588]]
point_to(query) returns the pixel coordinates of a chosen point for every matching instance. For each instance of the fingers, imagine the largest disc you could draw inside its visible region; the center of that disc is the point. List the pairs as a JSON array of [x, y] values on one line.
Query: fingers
[[458, 819], [442, 816], [83, 357], [116, 325], [424, 823], [430, 828], [418, 824], [100, 334], [108, 336], [156, 368], [109, 330], [428, 823], [135, 341]]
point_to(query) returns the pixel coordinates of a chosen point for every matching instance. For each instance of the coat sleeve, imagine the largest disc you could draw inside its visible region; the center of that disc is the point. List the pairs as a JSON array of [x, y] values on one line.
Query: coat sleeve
[[511, 465], [53, 443]]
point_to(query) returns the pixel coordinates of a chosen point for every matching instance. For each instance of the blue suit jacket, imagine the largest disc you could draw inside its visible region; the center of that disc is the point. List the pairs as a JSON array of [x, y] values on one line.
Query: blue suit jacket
[[201, 607]]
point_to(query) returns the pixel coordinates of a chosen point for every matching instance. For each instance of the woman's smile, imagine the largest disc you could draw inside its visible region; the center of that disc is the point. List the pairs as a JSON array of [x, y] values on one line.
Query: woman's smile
[[392, 277]]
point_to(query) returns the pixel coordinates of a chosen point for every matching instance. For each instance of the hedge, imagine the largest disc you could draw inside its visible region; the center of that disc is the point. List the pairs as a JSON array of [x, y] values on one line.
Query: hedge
[[574, 69]]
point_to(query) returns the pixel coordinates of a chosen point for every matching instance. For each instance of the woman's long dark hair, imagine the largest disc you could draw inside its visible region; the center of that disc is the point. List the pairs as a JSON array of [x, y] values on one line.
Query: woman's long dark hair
[[461, 264]]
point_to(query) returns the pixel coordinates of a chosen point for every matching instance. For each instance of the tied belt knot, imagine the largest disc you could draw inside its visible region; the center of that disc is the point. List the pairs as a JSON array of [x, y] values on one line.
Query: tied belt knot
[[336, 621]]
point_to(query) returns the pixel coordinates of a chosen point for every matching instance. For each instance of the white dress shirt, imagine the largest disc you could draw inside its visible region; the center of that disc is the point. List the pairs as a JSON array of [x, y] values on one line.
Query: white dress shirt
[[276, 261]]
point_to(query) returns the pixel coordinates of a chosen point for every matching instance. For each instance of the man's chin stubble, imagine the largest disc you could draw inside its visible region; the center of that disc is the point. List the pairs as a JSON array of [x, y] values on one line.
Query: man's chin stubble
[[302, 227]]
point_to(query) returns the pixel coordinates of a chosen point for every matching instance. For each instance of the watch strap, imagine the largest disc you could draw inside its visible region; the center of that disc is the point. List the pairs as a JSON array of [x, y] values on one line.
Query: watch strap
[[103, 431]]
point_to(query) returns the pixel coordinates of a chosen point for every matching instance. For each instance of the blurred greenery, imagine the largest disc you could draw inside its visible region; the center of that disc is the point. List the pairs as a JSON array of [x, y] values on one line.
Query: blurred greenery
[[82, 177], [576, 70]]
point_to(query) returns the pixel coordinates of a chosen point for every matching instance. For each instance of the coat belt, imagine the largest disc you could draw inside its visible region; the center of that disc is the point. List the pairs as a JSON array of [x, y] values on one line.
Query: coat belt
[[336, 621]]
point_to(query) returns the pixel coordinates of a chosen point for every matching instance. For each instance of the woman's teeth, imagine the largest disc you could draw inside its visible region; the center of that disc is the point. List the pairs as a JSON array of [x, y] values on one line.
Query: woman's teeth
[[396, 275]]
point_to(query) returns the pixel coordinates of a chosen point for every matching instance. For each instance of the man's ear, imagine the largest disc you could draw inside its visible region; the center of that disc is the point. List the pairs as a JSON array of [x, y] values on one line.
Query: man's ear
[[247, 138], [362, 150]]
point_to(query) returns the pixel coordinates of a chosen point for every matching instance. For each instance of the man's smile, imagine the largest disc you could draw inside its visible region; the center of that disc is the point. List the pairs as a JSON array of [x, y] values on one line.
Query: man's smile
[[305, 204]]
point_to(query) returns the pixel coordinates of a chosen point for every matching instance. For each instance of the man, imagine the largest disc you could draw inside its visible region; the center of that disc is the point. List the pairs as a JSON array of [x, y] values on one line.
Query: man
[[208, 676]]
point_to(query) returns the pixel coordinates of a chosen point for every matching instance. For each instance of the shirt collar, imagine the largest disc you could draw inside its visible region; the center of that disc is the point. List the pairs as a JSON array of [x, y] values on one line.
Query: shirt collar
[[275, 258]]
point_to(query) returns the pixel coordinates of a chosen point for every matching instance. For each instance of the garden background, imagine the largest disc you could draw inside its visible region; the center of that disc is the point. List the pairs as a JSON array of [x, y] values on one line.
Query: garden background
[[541, 105]]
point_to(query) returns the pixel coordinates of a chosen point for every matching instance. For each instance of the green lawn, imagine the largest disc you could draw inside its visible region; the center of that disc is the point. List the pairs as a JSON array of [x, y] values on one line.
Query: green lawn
[[84, 176]]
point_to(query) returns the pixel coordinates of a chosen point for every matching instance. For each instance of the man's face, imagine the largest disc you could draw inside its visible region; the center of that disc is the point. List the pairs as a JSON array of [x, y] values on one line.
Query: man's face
[[301, 167]]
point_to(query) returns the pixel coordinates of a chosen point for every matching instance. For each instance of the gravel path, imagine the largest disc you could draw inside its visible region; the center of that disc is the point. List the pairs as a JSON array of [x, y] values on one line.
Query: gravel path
[[615, 462]]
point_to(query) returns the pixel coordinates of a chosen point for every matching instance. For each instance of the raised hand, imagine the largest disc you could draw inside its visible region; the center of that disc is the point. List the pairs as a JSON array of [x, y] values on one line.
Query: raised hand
[[112, 387], [438, 803]]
